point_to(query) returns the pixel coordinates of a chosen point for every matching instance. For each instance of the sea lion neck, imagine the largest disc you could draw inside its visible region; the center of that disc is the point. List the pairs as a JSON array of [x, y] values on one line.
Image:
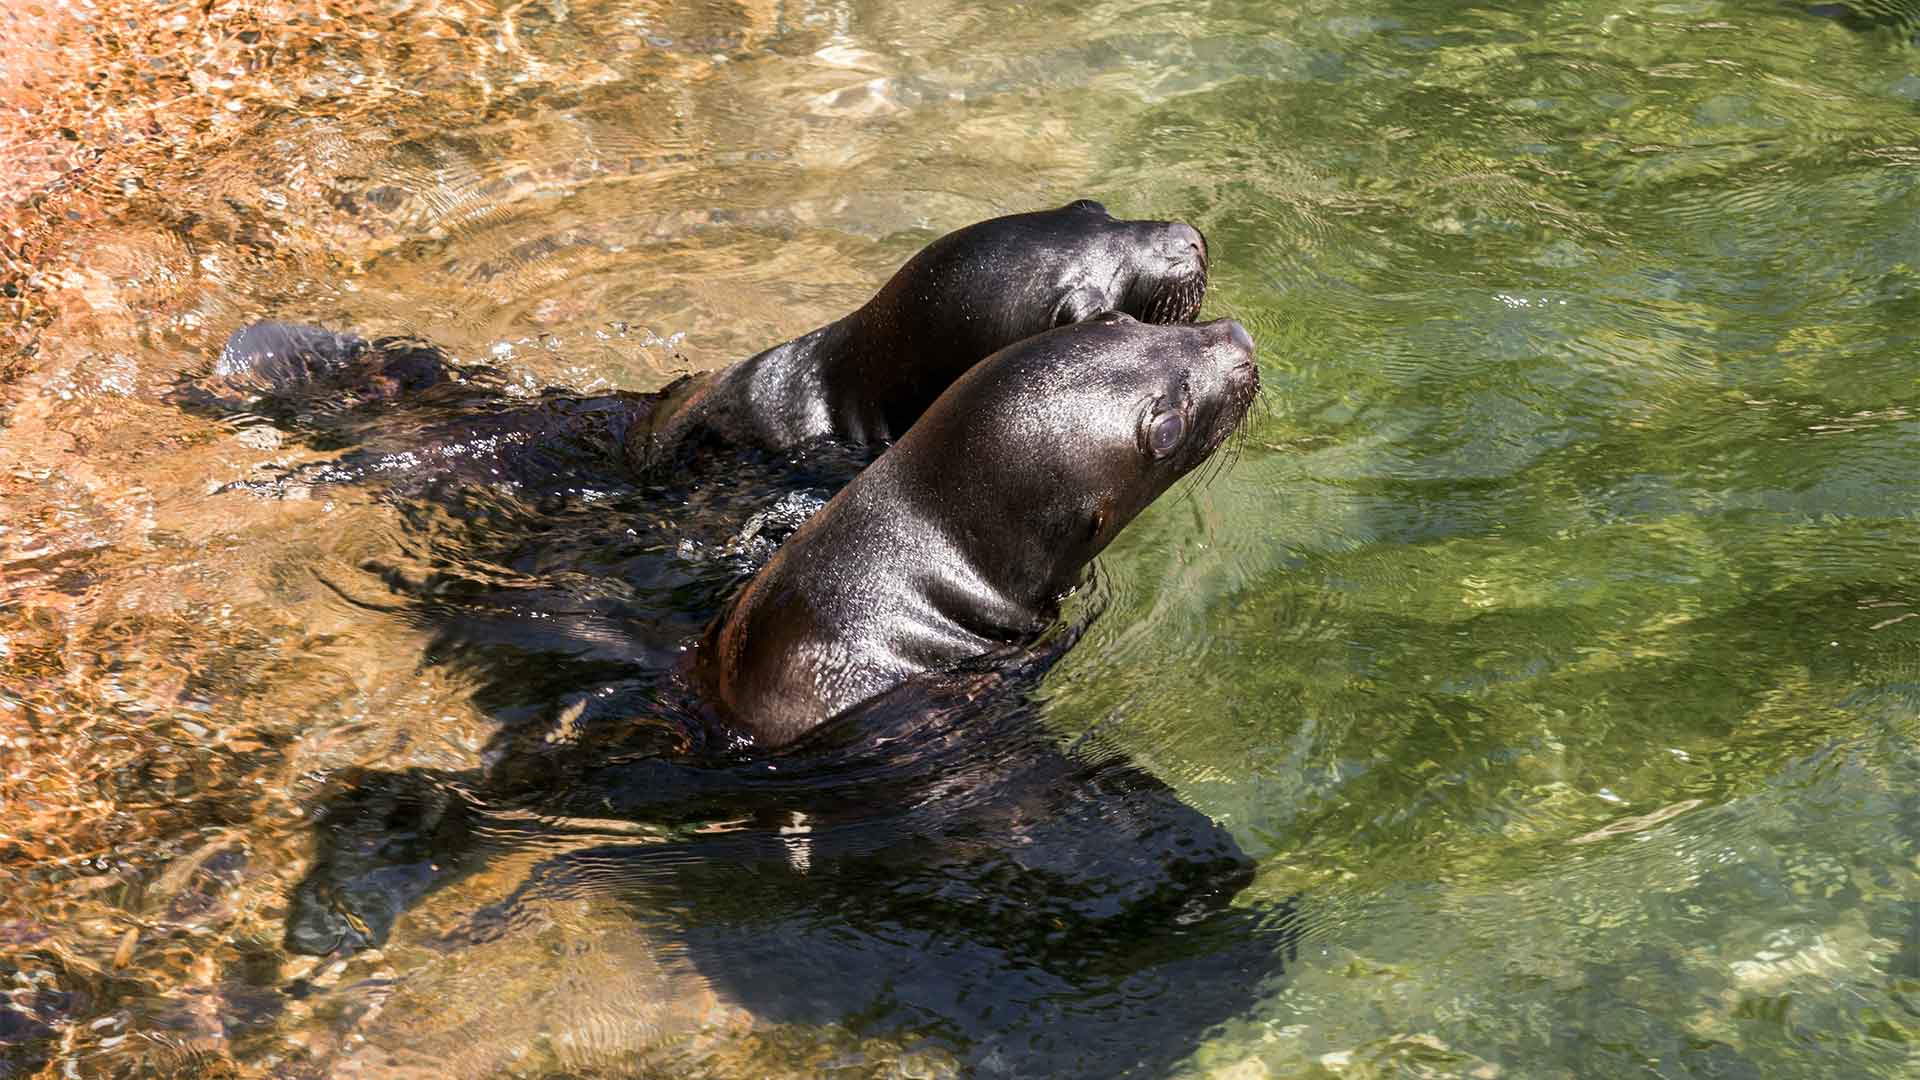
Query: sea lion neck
[[832, 382], [867, 594], [805, 389], [793, 393], [1009, 591], [968, 595], [872, 392]]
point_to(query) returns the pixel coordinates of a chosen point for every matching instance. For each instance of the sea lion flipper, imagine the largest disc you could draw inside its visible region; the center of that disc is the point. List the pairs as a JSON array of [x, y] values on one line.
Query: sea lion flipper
[[1079, 305], [276, 358]]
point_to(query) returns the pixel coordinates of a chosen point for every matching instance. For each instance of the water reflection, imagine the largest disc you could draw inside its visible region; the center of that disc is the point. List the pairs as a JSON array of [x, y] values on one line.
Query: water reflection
[[1631, 568]]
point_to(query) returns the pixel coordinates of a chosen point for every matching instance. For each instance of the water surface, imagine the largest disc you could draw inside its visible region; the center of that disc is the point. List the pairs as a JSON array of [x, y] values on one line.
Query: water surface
[[1555, 638]]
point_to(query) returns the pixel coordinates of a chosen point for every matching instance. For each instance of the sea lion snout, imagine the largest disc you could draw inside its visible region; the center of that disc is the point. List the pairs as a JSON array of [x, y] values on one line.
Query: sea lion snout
[[1170, 273], [1182, 243], [1230, 360], [1236, 334], [1231, 351]]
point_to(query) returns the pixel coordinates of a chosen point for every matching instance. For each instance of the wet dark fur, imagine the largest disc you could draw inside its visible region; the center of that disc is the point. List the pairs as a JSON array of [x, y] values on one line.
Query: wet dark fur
[[963, 537]]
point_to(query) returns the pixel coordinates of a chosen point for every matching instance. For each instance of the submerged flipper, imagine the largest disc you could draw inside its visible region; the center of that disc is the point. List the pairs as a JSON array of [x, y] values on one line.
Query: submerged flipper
[[276, 358]]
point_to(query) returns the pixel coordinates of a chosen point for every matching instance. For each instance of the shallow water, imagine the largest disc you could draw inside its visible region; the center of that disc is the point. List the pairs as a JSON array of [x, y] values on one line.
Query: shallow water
[[1553, 640]]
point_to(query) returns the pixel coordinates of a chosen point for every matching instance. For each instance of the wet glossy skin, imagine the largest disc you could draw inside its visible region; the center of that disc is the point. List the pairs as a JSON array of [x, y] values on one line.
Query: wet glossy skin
[[867, 377], [964, 535]]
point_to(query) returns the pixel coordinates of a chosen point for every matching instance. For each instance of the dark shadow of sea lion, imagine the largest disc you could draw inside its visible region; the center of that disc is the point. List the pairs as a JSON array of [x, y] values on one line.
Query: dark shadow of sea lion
[[934, 861], [933, 865]]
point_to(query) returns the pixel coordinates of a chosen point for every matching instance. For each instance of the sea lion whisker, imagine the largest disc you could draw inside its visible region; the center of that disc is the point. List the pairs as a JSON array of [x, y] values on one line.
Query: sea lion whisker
[[1198, 480], [1219, 463], [1229, 454]]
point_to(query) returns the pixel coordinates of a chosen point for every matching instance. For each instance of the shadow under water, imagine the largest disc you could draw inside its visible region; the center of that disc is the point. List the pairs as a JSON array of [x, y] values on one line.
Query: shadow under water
[[543, 568], [933, 866]]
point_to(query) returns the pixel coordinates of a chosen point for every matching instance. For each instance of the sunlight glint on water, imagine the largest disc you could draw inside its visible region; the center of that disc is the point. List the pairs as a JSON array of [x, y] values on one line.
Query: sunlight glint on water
[[1554, 638]]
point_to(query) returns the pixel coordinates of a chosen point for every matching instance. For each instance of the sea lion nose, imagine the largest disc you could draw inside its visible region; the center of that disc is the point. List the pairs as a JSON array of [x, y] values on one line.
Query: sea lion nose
[[1183, 240], [1232, 332], [1239, 336]]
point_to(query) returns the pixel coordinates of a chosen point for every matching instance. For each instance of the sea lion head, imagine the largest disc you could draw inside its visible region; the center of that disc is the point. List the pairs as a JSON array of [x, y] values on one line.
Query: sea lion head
[[1055, 267], [984, 287], [1008, 278], [963, 537], [1054, 445]]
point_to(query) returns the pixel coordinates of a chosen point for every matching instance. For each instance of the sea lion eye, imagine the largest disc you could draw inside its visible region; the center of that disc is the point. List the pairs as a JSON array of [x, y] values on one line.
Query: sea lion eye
[[1082, 302], [1164, 432]]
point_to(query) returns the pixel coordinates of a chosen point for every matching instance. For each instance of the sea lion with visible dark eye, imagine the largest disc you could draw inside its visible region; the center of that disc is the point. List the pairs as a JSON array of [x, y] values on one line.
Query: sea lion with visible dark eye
[[868, 376], [862, 379], [885, 802], [963, 537]]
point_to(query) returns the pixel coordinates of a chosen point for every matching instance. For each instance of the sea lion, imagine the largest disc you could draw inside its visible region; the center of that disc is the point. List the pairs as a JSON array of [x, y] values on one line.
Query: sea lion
[[962, 537], [866, 378], [861, 379], [956, 544]]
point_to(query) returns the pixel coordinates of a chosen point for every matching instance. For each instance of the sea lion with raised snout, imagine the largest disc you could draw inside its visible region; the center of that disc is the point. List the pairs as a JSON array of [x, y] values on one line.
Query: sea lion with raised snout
[[866, 378], [862, 379], [963, 536]]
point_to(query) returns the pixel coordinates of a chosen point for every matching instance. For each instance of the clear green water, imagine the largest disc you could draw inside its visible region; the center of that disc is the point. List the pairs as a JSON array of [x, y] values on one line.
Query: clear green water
[[1556, 638]]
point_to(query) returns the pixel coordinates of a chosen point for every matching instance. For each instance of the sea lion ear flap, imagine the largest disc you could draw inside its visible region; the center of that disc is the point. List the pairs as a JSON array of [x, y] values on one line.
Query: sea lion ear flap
[[1081, 303]]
